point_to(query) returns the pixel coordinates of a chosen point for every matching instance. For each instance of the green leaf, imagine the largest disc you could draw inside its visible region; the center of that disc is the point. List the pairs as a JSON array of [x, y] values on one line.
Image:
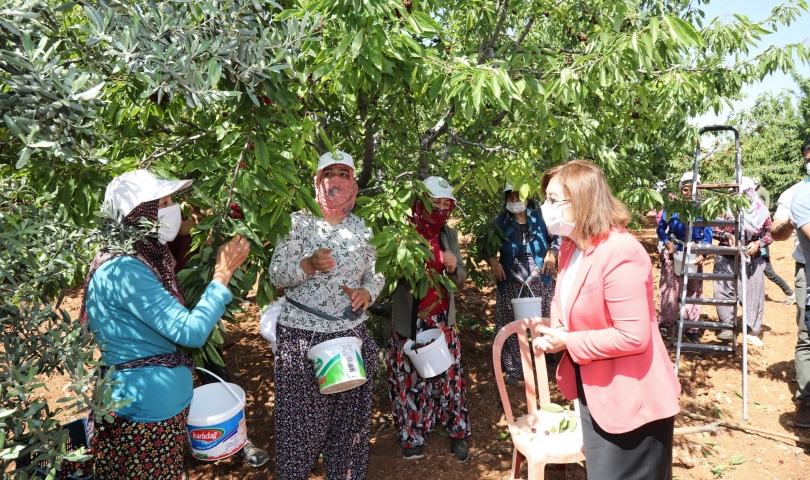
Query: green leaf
[[357, 44], [551, 407], [260, 150], [683, 32], [737, 460], [502, 436]]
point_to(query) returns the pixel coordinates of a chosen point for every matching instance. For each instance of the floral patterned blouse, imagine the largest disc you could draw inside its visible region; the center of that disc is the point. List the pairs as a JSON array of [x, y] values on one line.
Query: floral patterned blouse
[[354, 267], [762, 234]]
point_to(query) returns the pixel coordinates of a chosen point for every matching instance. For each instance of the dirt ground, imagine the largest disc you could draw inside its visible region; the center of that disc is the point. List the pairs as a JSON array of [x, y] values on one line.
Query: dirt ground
[[711, 386]]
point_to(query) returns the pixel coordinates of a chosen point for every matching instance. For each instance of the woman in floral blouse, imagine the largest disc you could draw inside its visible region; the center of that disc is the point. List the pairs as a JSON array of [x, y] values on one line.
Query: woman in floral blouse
[[327, 265], [757, 235]]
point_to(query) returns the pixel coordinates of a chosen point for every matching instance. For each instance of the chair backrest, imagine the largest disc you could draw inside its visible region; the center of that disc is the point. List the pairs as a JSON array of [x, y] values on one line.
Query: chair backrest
[[534, 375]]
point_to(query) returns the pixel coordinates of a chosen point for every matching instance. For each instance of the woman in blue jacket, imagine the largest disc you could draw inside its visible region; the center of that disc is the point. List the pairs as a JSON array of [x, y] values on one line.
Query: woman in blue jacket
[[525, 245], [668, 308], [134, 305]]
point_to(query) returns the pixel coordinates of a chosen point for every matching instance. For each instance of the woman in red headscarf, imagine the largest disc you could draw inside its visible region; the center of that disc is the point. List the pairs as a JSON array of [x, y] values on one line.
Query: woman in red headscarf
[[326, 268], [419, 404]]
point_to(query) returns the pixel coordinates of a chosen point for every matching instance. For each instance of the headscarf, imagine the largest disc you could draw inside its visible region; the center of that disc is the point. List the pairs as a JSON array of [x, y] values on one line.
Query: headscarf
[[148, 250], [429, 224], [757, 213], [335, 195]]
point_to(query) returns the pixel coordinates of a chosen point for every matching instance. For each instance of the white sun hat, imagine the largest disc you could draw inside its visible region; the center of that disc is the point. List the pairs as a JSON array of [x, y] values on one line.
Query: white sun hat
[[437, 187], [133, 188], [339, 158]]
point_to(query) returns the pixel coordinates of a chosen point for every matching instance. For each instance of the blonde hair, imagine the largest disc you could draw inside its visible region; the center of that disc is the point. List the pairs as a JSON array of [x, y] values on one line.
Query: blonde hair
[[596, 211]]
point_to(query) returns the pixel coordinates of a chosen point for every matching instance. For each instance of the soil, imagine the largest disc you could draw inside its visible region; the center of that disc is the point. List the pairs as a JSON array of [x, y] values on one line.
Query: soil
[[711, 386]]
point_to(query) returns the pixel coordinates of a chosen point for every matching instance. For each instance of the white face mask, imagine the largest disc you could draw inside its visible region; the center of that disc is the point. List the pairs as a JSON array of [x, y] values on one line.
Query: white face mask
[[553, 216], [169, 220], [807, 167], [516, 207]]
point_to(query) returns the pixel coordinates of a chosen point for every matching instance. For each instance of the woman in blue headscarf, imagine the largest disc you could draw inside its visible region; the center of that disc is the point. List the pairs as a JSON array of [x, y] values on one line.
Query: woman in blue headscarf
[[525, 246]]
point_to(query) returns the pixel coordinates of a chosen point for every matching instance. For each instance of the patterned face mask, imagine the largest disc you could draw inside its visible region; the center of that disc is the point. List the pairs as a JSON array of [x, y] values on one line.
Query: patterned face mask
[[335, 195]]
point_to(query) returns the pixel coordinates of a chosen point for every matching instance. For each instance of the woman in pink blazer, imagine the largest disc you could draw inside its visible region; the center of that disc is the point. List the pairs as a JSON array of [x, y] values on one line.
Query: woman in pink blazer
[[603, 320]]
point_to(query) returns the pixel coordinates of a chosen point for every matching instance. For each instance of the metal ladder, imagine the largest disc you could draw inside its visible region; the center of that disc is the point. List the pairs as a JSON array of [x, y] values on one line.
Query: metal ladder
[[737, 276]]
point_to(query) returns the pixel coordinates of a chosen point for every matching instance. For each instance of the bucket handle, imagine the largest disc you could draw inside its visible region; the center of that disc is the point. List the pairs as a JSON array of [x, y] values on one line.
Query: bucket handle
[[525, 283], [238, 399]]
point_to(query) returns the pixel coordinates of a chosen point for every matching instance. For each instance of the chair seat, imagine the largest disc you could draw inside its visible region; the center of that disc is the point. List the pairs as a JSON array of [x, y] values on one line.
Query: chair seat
[[565, 447]]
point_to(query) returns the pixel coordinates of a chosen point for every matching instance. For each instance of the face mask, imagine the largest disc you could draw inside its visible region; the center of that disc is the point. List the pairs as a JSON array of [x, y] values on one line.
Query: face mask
[[169, 219], [807, 167], [554, 220], [516, 207]]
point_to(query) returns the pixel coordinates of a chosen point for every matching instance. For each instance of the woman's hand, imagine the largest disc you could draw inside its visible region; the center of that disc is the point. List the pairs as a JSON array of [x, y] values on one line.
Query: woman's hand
[[450, 262], [670, 248], [497, 269], [320, 261], [752, 248], [699, 259], [230, 257], [551, 340], [360, 297], [549, 263]]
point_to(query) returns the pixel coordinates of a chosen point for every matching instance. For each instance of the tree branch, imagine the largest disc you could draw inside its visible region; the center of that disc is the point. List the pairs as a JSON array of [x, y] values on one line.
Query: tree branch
[[368, 143], [480, 145], [488, 46], [155, 155], [525, 31]]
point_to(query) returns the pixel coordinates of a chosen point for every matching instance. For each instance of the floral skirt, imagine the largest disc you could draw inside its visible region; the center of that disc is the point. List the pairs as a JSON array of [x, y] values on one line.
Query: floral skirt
[[129, 450], [419, 404]]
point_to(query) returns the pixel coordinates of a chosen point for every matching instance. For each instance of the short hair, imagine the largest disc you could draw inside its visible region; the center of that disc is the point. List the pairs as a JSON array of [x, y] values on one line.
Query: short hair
[[596, 211], [805, 146]]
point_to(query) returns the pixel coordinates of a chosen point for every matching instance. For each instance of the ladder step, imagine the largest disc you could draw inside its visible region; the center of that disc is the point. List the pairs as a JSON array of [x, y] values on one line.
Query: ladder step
[[708, 325], [710, 186], [715, 223], [710, 301], [714, 250], [706, 348], [710, 276]]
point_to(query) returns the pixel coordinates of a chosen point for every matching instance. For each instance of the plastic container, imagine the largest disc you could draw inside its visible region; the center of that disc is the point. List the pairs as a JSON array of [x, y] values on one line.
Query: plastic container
[[77, 437], [432, 359], [527, 307], [216, 421], [338, 364], [691, 263]]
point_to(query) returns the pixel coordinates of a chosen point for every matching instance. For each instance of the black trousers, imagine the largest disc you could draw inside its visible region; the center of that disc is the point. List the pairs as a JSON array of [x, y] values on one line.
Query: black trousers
[[771, 275], [641, 454]]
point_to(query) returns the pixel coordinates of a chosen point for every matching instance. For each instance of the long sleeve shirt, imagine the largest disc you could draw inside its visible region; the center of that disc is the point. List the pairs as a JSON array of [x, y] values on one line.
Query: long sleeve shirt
[[676, 227], [354, 267], [762, 234], [134, 317]]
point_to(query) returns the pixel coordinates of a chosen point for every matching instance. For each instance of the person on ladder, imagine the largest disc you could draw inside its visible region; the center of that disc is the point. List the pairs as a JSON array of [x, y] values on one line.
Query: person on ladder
[[669, 284], [756, 235]]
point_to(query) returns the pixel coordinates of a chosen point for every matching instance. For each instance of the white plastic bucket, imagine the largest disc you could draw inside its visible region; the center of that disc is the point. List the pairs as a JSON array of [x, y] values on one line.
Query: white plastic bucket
[[338, 364], [432, 359], [691, 263], [216, 421], [527, 307]]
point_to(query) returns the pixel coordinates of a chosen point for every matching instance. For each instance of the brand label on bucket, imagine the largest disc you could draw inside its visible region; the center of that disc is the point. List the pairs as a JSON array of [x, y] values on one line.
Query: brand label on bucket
[[345, 366], [218, 441]]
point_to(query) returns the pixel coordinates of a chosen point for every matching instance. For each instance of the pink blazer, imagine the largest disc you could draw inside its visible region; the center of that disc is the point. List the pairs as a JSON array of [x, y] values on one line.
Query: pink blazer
[[627, 376]]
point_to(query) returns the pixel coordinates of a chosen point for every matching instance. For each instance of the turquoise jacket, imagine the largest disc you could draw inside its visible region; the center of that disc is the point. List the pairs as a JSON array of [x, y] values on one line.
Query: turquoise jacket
[[134, 317]]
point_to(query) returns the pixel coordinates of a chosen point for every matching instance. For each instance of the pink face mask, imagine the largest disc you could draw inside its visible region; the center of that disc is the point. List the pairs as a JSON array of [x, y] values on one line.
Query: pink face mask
[[335, 194]]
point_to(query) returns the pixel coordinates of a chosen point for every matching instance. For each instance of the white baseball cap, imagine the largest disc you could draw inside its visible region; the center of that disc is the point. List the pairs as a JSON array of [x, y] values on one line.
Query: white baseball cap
[[437, 187], [508, 187], [339, 158], [687, 178], [133, 188]]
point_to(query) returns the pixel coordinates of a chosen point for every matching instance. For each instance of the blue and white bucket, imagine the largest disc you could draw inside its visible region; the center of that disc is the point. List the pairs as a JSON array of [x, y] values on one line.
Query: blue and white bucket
[[216, 420]]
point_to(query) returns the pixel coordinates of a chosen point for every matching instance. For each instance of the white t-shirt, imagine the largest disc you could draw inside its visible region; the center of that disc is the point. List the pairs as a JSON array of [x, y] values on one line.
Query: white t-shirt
[[783, 213], [568, 280]]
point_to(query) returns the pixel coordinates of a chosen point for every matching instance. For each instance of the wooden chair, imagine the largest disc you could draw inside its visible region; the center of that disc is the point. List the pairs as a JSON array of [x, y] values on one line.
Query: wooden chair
[[528, 431]]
